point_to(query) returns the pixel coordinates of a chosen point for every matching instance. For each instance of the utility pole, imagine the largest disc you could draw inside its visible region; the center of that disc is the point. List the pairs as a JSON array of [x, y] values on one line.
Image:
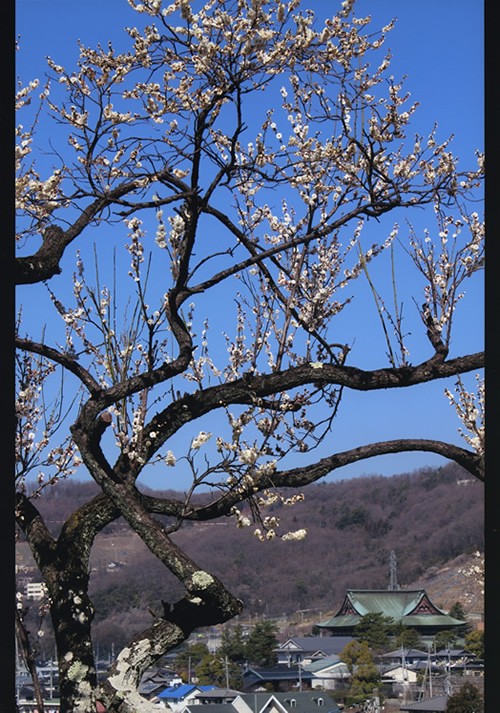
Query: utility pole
[[393, 582], [447, 683], [51, 682], [430, 669], [18, 682]]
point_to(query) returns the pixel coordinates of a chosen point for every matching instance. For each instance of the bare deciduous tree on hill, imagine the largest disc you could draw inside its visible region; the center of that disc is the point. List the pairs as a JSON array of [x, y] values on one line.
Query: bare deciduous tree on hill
[[166, 150]]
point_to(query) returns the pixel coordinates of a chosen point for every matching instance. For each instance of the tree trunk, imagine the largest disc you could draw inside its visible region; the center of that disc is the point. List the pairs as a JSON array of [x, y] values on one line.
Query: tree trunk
[[72, 613]]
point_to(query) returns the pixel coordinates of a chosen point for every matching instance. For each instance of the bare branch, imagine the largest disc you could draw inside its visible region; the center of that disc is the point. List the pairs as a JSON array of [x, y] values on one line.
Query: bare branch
[[44, 264], [68, 361]]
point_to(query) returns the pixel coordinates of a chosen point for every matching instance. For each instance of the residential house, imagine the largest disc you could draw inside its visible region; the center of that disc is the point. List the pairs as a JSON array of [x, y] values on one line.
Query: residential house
[[177, 697], [289, 702], [209, 708], [32, 706], [216, 696], [458, 661], [406, 656], [453, 656], [154, 681], [306, 649], [468, 668], [410, 607], [284, 702], [281, 678], [35, 590], [219, 699], [329, 673], [399, 674], [150, 689], [437, 704]]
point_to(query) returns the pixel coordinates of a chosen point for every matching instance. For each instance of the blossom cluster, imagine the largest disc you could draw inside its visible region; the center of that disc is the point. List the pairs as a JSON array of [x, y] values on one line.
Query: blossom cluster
[[36, 197], [470, 409], [168, 128], [446, 262], [476, 571], [37, 420]]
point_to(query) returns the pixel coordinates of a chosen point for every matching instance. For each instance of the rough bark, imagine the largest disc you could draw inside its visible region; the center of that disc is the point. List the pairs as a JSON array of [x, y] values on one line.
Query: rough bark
[[63, 564]]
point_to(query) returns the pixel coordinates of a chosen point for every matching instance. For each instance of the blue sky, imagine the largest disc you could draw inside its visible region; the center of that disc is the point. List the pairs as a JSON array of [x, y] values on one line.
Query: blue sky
[[439, 45]]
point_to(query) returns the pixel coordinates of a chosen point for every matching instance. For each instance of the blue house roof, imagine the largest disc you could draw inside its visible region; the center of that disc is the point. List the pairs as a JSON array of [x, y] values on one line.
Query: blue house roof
[[181, 691]]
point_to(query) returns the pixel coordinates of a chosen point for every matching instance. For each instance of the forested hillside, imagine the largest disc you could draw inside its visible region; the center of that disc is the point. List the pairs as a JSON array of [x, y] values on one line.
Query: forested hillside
[[427, 517], [352, 526]]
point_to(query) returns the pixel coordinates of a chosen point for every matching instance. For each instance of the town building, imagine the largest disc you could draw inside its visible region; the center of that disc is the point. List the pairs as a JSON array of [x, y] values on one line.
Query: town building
[[289, 702], [306, 649], [35, 590], [329, 674], [280, 678], [410, 607], [178, 696], [437, 704]]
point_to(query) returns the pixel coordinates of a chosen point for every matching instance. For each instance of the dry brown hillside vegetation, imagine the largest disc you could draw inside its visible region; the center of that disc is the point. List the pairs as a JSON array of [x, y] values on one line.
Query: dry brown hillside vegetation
[[431, 518], [453, 582]]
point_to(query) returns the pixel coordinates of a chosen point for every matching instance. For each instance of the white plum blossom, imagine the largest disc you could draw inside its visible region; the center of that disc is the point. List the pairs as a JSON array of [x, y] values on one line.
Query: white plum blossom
[[200, 439], [475, 570], [170, 458], [470, 408], [297, 535], [248, 456], [241, 520]]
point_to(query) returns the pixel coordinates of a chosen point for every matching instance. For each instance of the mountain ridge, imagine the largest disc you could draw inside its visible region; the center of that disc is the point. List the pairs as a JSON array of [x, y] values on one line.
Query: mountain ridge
[[426, 518], [431, 519]]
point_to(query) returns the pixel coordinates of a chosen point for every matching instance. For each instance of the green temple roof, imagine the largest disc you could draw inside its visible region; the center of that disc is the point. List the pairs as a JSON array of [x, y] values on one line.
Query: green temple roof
[[411, 607]]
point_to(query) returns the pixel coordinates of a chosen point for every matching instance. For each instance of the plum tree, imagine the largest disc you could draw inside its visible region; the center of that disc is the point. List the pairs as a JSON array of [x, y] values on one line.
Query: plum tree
[[217, 199]]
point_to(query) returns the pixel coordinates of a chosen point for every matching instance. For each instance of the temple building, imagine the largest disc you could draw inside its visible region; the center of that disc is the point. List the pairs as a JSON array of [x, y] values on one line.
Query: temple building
[[410, 607]]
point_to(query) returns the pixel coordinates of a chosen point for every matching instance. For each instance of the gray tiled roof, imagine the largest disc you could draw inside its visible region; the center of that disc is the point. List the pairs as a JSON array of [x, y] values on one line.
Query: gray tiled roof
[[409, 653], [218, 693], [289, 702], [430, 705], [321, 664], [294, 701], [214, 708], [275, 674], [312, 644]]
